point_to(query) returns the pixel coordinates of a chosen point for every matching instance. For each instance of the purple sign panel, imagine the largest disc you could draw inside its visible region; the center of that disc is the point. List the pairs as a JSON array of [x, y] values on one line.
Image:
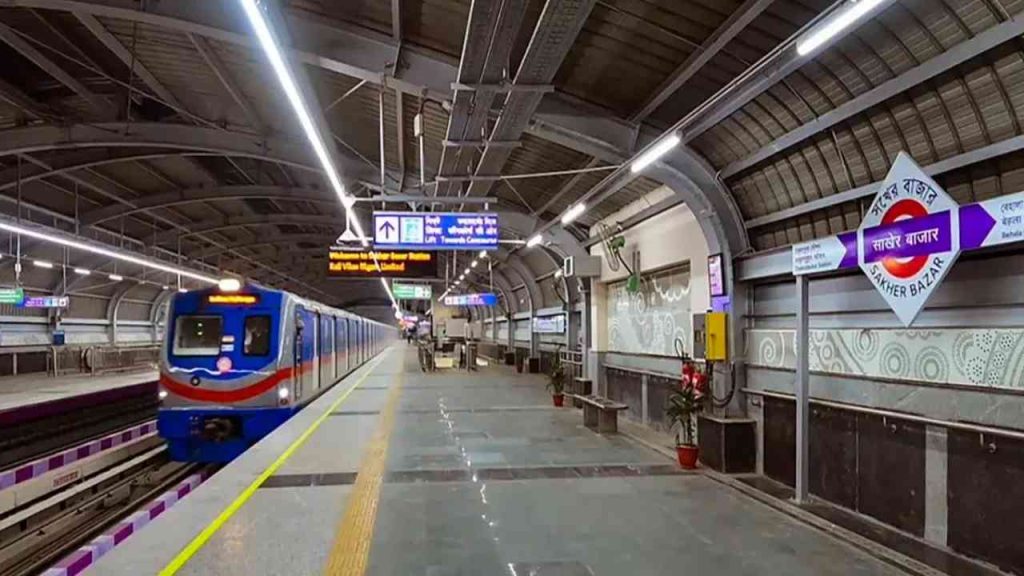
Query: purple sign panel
[[908, 238], [45, 302], [485, 299]]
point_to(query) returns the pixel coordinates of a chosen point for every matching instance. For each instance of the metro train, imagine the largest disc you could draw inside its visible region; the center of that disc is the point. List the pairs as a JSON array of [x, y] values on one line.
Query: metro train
[[235, 365]]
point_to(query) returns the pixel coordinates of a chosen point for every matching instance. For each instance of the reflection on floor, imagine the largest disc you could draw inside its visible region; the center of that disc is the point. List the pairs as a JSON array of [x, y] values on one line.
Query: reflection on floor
[[484, 477]]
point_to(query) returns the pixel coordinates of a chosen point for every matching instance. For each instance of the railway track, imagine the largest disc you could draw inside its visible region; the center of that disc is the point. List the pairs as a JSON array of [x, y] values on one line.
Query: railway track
[[35, 536]]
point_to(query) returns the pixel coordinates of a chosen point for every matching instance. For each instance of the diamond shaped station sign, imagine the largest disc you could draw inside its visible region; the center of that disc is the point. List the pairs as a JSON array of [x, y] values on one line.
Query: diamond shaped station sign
[[909, 238]]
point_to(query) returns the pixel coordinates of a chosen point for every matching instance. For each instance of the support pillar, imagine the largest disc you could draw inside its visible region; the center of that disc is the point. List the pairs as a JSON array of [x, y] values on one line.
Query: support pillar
[[802, 387]]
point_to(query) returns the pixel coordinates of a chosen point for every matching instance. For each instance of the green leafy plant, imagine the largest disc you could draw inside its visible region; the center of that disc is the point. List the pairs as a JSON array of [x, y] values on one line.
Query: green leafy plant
[[556, 377], [683, 407]]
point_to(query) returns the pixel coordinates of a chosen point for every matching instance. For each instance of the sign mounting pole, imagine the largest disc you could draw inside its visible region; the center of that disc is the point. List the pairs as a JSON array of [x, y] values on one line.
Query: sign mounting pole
[[802, 387]]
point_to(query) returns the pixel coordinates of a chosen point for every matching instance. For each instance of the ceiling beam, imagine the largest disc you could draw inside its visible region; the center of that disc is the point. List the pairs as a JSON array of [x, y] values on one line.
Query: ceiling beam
[[205, 194], [100, 104], [202, 45], [733, 25], [182, 137], [955, 56], [557, 28], [29, 106], [128, 59], [363, 54]]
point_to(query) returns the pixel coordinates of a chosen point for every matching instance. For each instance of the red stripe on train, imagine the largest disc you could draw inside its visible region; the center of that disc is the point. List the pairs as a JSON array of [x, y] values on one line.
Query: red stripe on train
[[238, 395], [222, 396]]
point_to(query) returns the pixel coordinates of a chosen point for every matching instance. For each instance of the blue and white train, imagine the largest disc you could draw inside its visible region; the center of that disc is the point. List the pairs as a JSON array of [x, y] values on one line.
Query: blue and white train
[[235, 365]]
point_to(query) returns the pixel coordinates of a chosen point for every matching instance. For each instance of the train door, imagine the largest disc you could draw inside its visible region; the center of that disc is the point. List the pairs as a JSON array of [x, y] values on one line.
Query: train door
[[314, 366], [326, 348], [336, 353], [343, 362], [299, 352]]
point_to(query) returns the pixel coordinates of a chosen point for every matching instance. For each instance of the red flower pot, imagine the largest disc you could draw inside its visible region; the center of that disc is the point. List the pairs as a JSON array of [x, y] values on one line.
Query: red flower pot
[[558, 399], [687, 454]]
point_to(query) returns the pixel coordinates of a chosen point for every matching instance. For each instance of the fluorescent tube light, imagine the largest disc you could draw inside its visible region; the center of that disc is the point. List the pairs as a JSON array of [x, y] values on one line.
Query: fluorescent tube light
[[42, 264], [473, 265], [533, 241], [847, 17], [656, 152], [182, 290], [116, 277], [278, 62], [483, 254], [466, 271], [45, 237], [573, 213], [82, 272]]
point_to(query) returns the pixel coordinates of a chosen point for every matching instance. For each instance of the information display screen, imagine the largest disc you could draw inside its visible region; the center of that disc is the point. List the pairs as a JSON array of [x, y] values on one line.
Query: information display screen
[[716, 276], [393, 264]]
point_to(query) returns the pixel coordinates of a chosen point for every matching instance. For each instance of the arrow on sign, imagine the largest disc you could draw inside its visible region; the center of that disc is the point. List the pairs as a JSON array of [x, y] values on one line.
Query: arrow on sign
[[975, 225], [387, 228]]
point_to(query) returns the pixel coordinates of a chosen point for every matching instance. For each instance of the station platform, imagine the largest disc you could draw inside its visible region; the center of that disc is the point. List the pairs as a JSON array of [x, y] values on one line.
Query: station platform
[[396, 472], [32, 396]]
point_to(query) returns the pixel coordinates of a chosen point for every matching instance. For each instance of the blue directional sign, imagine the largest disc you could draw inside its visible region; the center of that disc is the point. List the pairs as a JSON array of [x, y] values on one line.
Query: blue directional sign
[[435, 230]]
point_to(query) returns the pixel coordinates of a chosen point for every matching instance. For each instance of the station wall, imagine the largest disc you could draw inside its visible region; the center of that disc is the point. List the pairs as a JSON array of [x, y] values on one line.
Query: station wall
[[673, 257], [961, 362]]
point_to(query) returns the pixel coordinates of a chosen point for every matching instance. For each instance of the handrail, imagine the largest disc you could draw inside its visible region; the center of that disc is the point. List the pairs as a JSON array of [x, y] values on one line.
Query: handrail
[[898, 415]]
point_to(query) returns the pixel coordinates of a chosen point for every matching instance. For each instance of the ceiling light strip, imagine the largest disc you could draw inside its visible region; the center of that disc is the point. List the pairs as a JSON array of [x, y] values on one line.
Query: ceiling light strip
[[85, 247]]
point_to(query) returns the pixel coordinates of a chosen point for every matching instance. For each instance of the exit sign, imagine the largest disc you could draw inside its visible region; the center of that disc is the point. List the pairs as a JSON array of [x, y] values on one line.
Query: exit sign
[[411, 291]]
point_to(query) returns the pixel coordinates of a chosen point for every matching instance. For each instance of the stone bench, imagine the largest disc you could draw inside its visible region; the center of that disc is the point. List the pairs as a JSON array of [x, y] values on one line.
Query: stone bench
[[580, 387], [600, 414]]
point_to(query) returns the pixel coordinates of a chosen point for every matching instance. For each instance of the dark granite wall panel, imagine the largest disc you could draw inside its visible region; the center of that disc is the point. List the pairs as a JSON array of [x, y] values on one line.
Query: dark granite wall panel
[[616, 381], [891, 471], [833, 450], [780, 440], [658, 391], [986, 498], [629, 391]]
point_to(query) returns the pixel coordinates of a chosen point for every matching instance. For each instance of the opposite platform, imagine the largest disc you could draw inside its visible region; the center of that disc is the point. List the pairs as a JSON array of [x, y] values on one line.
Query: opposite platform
[[456, 473]]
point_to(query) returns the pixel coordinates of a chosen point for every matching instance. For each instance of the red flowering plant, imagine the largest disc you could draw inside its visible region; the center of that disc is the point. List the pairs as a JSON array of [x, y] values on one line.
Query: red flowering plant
[[686, 402]]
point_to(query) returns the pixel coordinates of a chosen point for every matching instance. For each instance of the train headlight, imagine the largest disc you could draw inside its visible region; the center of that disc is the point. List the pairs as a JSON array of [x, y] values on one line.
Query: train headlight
[[162, 394], [282, 393]]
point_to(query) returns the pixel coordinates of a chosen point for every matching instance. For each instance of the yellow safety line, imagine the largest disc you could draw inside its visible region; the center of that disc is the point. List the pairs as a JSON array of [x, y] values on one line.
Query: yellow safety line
[[350, 552], [197, 543]]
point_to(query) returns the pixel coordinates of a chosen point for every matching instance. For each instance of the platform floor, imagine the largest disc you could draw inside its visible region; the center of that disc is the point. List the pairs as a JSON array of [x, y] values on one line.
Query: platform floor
[[30, 389], [473, 474]]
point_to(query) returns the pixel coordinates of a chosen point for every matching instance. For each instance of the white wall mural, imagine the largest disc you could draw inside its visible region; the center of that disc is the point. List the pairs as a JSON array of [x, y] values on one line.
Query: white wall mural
[[975, 357], [649, 321]]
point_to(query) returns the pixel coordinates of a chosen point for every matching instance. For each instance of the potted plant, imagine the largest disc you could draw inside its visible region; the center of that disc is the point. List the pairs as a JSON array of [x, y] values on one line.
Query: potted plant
[[683, 407], [556, 382]]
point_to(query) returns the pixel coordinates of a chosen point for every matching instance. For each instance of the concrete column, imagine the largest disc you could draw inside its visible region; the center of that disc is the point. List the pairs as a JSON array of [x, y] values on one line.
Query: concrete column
[[802, 388], [936, 469]]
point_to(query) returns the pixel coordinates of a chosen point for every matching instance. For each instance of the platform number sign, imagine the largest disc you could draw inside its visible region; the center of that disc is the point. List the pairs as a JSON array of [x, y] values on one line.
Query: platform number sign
[[909, 238]]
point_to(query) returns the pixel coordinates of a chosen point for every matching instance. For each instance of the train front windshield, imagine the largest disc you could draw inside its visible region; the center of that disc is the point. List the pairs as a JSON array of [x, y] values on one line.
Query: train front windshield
[[198, 335]]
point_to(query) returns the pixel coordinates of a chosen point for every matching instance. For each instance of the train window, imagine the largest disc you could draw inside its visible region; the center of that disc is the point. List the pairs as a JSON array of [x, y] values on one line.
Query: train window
[[198, 335], [257, 336]]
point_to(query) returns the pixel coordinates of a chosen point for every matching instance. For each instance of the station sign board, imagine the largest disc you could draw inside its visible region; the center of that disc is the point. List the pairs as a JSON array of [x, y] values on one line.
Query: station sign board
[[911, 236], [405, 291], [485, 299], [435, 230], [46, 302], [12, 295], [549, 324], [346, 263]]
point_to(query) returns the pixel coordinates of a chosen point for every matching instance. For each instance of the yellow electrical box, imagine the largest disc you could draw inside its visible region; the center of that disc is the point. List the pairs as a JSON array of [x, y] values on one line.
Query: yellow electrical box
[[716, 349]]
